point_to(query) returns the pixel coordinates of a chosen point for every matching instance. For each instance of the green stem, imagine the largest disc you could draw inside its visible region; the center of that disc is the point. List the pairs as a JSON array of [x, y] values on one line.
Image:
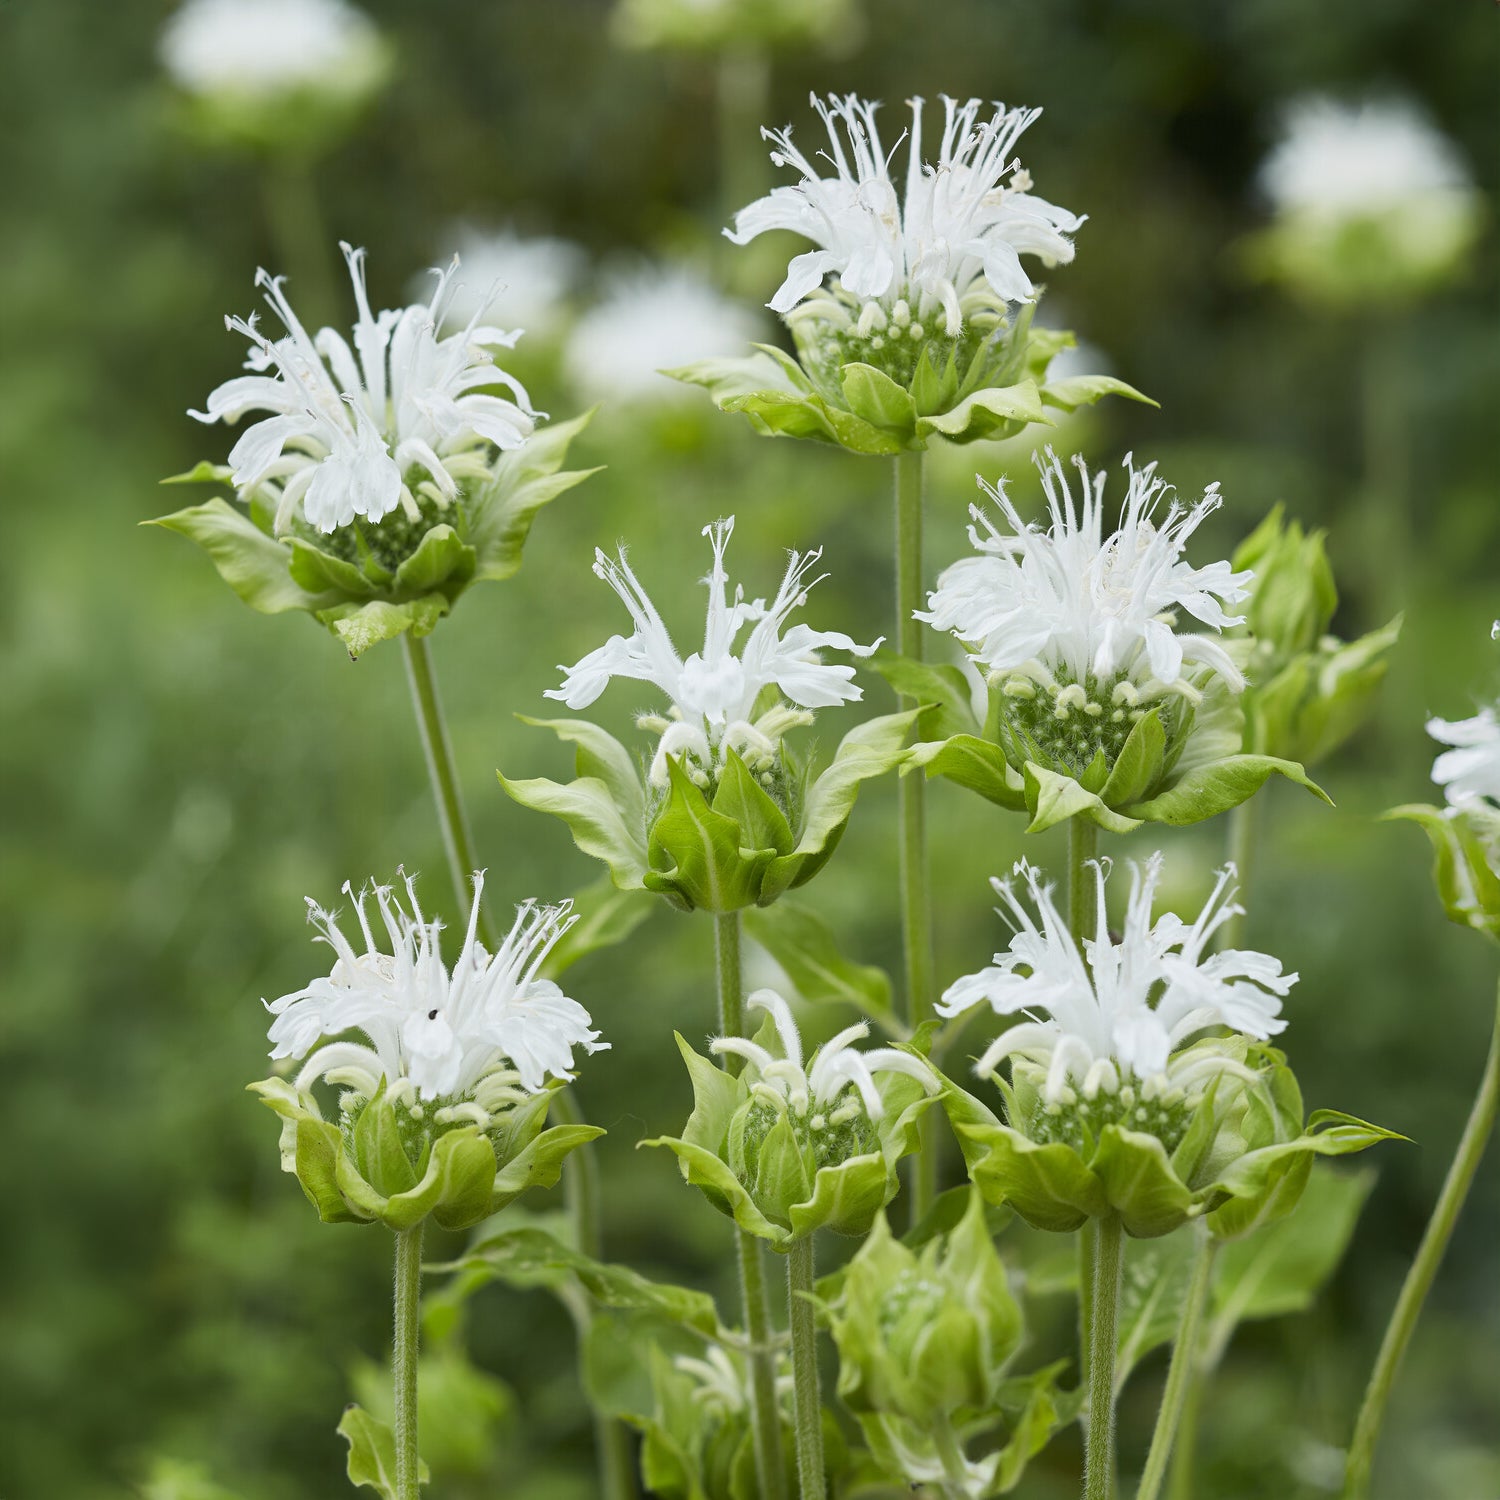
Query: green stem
[[1086, 1237], [1099, 1452], [458, 844], [809, 1402], [1083, 844], [404, 1357], [764, 1416], [916, 901], [1182, 1369], [1182, 1487], [1244, 824], [1424, 1268]]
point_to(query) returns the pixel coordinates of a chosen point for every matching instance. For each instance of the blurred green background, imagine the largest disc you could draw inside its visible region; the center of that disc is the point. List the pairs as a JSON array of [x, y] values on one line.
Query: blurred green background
[[177, 773]]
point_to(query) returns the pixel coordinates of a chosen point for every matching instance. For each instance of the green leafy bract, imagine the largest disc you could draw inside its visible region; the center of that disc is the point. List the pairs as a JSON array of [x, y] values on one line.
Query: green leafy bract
[[1463, 869], [370, 583], [365, 1173], [723, 849]]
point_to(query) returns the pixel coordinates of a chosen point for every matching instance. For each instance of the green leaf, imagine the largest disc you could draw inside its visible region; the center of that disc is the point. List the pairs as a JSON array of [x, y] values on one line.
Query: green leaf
[[538, 1165], [987, 412], [741, 798], [726, 377], [694, 853], [595, 820], [1466, 881], [971, 762], [601, 756], [803, 945], [1054, 798], [441, 559], [1049, 1186], [528, 1256], [321, 572], [606, 916], [372, 1453], [1152, 1291], [523, 480], [1085, 390], [360, 626], [870, 749], [256, 566], [1139, 763], [204, 472], [874, 396], [378, 1151], [1139, 1182], [941, 689], [1216, 787]]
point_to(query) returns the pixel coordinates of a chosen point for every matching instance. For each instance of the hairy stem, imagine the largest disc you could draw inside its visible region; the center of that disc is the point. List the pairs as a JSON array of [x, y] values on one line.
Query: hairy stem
[[1083, 843], [916, 900], [809, 1402], [1244, 826], [458, 843], [1099, 1451], [1183, 1453], [404, 1348], [1423, 1269], [1184, 1366], [765, 1419]]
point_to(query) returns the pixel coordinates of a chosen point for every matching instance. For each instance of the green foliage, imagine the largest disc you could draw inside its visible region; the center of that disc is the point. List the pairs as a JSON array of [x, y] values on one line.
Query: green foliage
[[376, 594], [464, 1175], [806, 949], [719, 850], [1463, 866], [372, 1453]]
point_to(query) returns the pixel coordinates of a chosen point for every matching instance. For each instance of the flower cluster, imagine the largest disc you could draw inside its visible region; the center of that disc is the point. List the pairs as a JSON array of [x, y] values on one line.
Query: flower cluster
[[716, 693], [405, 416], [1117, 1016], [927, 267]]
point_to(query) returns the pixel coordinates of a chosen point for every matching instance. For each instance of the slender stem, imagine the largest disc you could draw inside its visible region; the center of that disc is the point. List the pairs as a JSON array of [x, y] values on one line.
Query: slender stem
[[404, 1357], [1244, 825], [765, 1418], [809, 1402], [916, 900], [1180, 1372], [613, 1450], [1099, 1453], [443, 774], [1083, 845], [1183, 1453], [1423, 1269], [1086, 1238]]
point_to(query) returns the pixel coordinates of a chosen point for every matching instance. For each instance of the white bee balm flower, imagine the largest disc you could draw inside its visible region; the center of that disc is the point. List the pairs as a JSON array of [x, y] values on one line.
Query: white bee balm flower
[[1469, 773], [269, 47], [1339, 160], [474, 1037], [950, 246], [1114, 1015], [714, 691], [358, 432]]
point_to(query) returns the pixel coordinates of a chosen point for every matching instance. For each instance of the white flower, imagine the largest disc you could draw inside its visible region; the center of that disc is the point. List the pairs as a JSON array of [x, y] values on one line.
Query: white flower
[[1119, 1017], [714, 691], [270, 47], [951, 245], [650, 320], [1084, 613], [351, 436], [520, 281], [815, 1091], [1342, 161], [722, 1381], [469, 1036]]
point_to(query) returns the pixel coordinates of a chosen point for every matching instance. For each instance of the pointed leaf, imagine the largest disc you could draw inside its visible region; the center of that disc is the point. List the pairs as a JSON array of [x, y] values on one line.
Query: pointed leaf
[[941, 689], [1217, 787], [1049, 1186], [1085, 390], [874, 396], [594, 819], [441, 559], [968, 761], [695, 853], [601, 756], [372, 1453], [1054, 798], [987, 411], [805, 947]]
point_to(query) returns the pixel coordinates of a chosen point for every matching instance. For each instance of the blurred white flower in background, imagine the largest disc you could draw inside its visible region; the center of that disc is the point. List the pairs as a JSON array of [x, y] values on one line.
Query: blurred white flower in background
[[531, 278], [651, 319], [1342, 160], [267, 47]]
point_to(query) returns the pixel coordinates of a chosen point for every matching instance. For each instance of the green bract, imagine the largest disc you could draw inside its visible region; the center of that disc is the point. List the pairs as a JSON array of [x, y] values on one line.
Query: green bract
[[925, 1335], [781, 1175], [382, 1162], [1464, 847], [1308, 691], [1238, 1156], [368, 582], [1174, 763], [882, 395], [740, 841]]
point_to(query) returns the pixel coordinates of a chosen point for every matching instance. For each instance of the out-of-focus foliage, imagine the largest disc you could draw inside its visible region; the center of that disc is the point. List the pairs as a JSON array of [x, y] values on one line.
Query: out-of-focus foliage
[[177, 772]]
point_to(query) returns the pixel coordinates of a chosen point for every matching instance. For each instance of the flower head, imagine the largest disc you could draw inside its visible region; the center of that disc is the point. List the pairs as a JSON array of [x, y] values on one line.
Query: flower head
[[1115, 1015], [267, 48], [1337, 160], [475, 1037], [948, 248], [403, 415], [714, 691], [650, 320], [1079, 627]]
